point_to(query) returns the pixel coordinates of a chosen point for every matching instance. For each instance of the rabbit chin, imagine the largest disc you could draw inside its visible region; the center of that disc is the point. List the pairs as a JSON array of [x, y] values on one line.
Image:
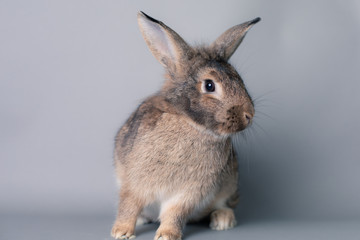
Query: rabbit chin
[[221, 131], [231, 129], [225, 132]]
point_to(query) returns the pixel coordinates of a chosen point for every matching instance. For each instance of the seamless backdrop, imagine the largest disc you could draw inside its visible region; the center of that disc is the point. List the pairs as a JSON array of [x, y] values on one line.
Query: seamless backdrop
[[71, 72]]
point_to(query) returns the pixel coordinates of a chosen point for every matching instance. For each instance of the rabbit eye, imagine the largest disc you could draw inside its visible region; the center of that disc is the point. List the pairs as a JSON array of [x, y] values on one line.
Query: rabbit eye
[[209, 85]]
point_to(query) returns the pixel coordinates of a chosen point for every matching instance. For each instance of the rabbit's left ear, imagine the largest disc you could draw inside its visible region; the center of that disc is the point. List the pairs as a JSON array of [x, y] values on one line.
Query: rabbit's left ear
[[164, 43], [225, 45]]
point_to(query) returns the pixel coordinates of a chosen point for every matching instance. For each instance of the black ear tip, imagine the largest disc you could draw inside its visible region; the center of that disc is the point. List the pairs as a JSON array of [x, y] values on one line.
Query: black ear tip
[[256, 20], [150, 18]]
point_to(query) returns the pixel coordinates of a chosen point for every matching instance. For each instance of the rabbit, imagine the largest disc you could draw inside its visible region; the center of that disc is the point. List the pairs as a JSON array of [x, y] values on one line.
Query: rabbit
[[173, 157]]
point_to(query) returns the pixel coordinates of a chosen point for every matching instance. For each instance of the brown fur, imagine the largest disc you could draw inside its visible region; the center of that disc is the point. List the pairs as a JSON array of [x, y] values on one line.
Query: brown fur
[[175, 151]]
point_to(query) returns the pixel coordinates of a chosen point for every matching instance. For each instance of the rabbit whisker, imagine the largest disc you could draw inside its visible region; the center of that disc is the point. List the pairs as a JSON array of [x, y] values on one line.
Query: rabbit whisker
[[266, 94]]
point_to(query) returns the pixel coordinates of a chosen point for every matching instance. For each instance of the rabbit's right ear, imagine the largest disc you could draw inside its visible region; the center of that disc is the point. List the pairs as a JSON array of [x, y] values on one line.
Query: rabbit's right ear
[[164, 43]]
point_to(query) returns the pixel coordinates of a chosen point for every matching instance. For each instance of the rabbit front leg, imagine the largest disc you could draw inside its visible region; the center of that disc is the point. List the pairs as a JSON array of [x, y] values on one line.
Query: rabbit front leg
[[223, 217], [129, 208], [173, 217]]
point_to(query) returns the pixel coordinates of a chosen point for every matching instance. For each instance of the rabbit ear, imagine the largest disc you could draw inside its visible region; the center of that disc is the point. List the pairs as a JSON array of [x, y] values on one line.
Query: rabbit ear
[[228, 42], [164, 43]]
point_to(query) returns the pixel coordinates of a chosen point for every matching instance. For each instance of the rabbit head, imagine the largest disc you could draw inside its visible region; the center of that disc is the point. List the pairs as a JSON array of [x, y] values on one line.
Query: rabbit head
[[200, 83]]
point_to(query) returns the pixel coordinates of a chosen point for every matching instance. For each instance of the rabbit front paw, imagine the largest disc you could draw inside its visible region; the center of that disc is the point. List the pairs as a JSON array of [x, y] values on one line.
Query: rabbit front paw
[[122, 231], [222, 219], [167, 235]]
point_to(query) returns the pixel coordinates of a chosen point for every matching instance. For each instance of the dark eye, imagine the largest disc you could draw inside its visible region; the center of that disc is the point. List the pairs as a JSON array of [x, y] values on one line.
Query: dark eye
[[209, 85]]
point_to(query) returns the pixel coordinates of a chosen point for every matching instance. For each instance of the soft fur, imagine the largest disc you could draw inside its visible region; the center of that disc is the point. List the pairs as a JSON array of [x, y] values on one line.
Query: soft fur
[[173, 157]]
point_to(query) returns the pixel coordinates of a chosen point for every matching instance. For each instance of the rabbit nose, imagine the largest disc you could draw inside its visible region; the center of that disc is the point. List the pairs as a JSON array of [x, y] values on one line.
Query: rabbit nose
[[239, 117], [248, 117], [247, 113]]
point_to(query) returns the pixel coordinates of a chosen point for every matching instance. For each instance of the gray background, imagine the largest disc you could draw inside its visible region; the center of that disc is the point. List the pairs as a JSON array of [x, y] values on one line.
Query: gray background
[[71, 72]]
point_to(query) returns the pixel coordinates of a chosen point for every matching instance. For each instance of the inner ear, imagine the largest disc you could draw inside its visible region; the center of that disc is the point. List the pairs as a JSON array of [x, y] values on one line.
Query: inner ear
[[164, 43]]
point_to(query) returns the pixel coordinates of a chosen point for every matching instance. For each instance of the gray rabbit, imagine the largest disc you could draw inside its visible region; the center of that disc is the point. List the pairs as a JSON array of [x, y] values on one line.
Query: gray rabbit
[[174, 157]]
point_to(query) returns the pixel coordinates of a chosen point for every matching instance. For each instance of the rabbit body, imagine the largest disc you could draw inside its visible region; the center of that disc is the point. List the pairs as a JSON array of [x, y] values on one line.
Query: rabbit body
[[174, 157], [171, 160]]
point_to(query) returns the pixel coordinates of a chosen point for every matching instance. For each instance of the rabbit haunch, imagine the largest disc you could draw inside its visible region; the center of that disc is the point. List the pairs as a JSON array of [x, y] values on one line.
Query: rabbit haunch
[[174, 154]]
